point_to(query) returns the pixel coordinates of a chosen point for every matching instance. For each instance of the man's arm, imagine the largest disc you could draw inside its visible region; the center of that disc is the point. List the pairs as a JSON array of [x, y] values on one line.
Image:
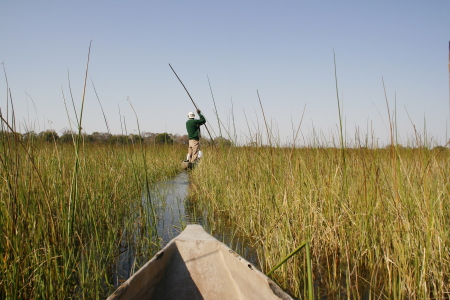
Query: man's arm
[[202, 118]]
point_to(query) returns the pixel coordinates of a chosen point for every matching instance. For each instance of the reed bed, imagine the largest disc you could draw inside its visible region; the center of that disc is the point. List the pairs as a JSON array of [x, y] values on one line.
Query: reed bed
[[377, 219], [65, 215]]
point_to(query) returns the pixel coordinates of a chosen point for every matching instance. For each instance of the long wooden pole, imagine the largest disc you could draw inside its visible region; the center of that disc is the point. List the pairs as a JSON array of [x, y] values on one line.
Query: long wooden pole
[[190, 98]]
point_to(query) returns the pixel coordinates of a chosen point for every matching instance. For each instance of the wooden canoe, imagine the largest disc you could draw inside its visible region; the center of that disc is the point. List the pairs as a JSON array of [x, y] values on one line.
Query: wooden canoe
[[195, 265], [185, 165]]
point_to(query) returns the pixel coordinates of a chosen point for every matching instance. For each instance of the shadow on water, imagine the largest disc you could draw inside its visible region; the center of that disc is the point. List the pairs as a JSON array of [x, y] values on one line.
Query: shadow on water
[[173, 212]]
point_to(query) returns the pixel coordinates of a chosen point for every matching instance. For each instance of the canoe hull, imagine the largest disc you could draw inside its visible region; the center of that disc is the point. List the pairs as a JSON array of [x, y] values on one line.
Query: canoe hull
[[195, 265], [185, 165]]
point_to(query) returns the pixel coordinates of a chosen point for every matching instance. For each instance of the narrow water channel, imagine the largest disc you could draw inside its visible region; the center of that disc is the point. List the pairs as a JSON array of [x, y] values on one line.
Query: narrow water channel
[[173, 213]]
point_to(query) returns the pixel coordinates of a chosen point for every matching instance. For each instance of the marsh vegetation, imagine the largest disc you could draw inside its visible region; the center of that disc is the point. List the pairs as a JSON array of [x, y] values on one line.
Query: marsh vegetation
[[377, 219], [67, 212]]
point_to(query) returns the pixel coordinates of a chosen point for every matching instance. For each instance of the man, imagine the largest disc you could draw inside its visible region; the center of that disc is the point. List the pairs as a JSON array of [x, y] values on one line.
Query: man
[[193, 129]]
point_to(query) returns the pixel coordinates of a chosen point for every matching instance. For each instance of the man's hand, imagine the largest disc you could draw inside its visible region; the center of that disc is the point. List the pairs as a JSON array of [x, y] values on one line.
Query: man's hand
[[198, 111]]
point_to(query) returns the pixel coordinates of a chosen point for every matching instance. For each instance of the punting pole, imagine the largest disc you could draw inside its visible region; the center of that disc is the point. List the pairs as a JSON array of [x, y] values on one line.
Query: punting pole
[[191, 99]]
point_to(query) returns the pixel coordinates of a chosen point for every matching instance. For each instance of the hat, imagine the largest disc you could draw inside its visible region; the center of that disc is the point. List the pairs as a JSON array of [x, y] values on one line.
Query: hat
[[191, 115]]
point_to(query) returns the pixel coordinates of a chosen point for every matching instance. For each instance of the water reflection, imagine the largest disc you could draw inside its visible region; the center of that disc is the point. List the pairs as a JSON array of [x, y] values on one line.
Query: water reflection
[[168, 197], [173, 212], [176, 211]]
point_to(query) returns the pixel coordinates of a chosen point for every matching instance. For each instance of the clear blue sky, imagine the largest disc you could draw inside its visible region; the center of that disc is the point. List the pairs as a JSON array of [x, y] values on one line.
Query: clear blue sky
[[282, 49]]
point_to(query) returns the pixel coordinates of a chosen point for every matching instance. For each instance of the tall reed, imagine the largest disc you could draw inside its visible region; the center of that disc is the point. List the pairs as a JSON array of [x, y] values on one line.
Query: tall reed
[[385, 236], [41, 259]]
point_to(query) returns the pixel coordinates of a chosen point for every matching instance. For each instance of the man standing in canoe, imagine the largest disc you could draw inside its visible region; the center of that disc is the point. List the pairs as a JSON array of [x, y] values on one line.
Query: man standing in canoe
[[193, 129]]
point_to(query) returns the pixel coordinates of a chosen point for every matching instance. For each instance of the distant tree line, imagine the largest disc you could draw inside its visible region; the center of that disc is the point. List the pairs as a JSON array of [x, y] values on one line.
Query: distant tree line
[[68, 136]]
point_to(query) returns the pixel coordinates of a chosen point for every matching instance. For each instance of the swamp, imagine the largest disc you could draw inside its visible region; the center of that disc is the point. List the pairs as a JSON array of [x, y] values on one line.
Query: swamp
[[77, 220]]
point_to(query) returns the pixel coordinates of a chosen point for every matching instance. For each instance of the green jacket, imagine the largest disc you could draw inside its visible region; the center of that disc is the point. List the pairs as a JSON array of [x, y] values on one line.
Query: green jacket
[[193, 127]]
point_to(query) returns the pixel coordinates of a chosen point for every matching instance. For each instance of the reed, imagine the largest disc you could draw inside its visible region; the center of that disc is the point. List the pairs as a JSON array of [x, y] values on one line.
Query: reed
[[49, 251], [381, 234]]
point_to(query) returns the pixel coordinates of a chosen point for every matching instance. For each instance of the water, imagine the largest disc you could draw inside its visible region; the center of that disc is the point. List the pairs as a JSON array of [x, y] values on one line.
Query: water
[[169, 197], [173, 212]]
